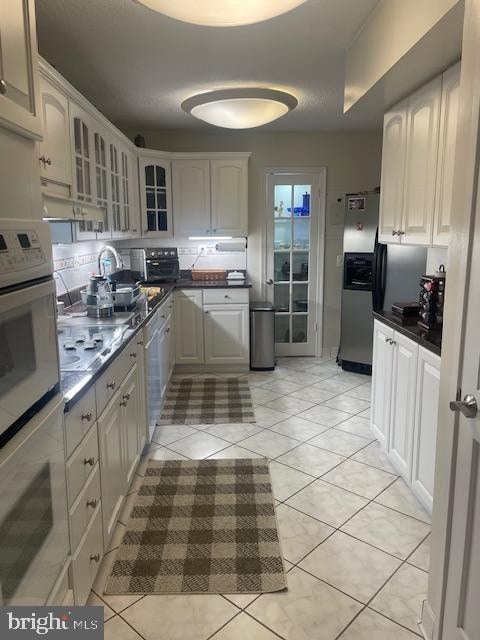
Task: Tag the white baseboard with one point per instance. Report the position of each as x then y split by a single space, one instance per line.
427 624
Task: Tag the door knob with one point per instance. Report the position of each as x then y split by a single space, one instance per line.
468 406
269 281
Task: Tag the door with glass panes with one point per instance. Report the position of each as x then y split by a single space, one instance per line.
155 197
292 260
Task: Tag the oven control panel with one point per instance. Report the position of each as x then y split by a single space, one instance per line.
161 253
25 251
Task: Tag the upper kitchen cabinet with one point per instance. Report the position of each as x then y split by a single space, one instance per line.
55 153
123 176
210 196
229 183
19 103
423 121
446 156
393 166
418 163
191 197
155 197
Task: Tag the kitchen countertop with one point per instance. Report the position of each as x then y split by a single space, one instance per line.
73 384
431 340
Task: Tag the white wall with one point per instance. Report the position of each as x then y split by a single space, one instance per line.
352 161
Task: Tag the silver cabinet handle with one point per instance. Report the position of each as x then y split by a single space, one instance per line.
394 233
86 416
387 339
90 461
126 396
95 557
400 233
269 281
468 406
133 355
111 385
227 297
140 343
45 161
3 87
92 503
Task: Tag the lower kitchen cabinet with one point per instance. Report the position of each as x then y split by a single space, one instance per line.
382 382
425 433
87 558
403 403
111 463
131 425
405 391
189 326
226 334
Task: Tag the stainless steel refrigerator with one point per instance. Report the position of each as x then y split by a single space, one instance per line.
374 276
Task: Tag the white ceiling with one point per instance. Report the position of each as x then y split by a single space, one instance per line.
137 66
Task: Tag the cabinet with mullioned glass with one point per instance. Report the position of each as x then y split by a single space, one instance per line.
155 197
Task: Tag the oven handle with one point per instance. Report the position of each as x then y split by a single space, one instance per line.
24 295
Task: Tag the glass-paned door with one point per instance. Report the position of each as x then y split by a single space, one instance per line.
100 149
115 185
292 256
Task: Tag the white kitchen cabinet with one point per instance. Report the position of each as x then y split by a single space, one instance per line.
226 334
425 431
155 197
123 171
191 197
129 402
100 165
115 173
382 381
19 92
188 311
423 122
446 156
229 197
55 154
393 167
111 464
164 356
403 403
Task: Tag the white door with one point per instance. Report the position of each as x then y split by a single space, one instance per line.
100 161
446 156
393 169
226 334
19 68
55 151
115 171
163 355
423 121
189 327
155 197
382 371
425 430
83 159
295 240
462 612
129 400
111 463
229 182
191 197
403 403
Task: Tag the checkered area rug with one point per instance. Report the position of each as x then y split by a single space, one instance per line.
201 526
207 401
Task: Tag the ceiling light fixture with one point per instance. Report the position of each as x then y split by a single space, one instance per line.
222 13
240 108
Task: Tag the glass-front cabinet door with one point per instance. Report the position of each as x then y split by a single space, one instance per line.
115 180
83 171
155 197
101 181
292 261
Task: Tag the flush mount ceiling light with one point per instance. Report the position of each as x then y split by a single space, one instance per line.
240 108
222 13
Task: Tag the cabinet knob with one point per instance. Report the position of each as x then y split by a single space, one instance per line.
207 231
3 87
133 355
95 557
126 396
214 231
394 233
227 296
140 343
111 385
92 503
90 461
387 339
400 233
87 416
44 160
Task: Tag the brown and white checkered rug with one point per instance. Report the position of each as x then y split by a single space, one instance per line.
201 526
207 401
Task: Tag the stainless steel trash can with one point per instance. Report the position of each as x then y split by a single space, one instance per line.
262 336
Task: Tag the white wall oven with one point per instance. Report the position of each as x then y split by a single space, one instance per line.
29 371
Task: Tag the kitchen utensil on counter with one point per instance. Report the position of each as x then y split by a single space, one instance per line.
432 295
236 276
99 298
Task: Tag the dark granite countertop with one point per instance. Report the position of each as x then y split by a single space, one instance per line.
74 384
431 340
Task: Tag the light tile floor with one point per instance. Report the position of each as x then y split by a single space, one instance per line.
354 539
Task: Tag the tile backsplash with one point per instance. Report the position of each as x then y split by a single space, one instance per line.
75 262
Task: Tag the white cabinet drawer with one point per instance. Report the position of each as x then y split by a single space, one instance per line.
81 464
109 383
79 420
87 559
225 296
84 507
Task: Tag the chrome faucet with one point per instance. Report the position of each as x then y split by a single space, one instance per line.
119 264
